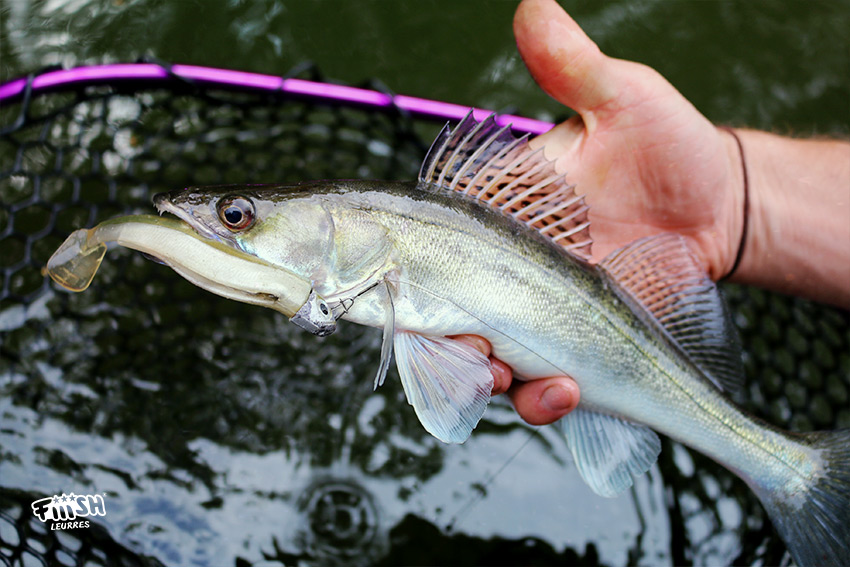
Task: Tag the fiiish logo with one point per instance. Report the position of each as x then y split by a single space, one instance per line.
63 510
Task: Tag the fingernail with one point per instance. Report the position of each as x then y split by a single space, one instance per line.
556 399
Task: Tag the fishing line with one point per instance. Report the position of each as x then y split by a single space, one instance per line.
341 304
479 495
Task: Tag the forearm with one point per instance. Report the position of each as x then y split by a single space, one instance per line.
798 234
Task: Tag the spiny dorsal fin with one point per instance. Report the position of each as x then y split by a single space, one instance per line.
488 163
662 276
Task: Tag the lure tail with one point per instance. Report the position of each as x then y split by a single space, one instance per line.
813 518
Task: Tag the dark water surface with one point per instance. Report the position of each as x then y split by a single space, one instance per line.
221 434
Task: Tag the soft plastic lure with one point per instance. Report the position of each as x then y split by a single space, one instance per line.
213 266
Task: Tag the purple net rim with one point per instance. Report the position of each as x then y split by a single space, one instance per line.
152 72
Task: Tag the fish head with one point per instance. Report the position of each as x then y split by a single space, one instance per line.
286 226
312 229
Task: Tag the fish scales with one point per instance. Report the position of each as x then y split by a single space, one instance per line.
558 305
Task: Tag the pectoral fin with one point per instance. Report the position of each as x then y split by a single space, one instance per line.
609 451
447 382
387 343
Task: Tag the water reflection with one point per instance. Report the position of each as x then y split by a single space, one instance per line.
341 524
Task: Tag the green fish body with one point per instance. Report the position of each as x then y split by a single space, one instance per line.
490 241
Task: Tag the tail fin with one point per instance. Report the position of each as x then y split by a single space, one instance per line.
814 519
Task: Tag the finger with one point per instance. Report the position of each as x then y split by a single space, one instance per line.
502 376
475 341
502 373
561 143
544 401
563 60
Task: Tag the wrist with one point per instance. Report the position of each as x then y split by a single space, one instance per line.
735 223
798 217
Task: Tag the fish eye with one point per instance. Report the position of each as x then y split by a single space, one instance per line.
237 213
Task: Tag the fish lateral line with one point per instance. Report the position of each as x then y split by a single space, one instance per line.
480 320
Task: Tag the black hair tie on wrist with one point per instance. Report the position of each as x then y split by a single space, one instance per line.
745 225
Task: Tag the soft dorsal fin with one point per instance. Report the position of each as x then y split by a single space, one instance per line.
662 276
488 163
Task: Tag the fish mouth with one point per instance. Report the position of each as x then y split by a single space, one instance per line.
163 204
208 263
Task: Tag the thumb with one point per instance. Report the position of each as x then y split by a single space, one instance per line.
544 401
566 63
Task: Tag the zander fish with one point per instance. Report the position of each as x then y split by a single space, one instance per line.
492 241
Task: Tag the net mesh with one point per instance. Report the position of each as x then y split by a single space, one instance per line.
73 159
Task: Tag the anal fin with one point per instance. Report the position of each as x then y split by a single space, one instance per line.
447 382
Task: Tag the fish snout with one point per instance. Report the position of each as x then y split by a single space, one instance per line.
165 204
162 201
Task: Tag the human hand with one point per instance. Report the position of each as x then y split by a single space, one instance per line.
644 157
648 162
